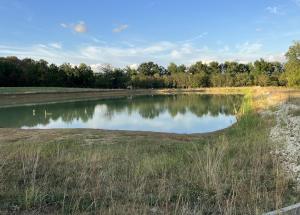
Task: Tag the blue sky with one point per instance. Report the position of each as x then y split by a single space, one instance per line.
121 33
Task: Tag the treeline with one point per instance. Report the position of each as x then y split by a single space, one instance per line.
27 72
20 73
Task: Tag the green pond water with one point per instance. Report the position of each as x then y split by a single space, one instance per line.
183 114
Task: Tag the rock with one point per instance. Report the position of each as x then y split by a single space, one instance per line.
286 133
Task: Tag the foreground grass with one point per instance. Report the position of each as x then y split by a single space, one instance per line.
108 172
77 171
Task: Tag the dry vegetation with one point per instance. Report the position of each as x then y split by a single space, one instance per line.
109 172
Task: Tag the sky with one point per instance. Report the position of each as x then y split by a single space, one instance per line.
127 33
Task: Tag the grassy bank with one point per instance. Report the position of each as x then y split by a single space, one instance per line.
110 172
38 95
49 90
32 90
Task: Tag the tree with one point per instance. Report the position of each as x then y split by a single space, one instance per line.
214 67
29 76
41 72
55 78
181 69
115 78
217 80
131 72
199 67
293 65
86 76
150 69
172 68
242 79
261 71
67 69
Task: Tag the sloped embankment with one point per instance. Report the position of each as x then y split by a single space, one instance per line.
286 133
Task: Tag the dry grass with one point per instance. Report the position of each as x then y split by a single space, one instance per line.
231 172
109 172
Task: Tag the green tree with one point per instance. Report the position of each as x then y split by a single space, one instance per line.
150 69
199 67
172 68
261 71
292 66
214 67
181 68
86 76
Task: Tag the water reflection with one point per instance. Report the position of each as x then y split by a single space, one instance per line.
165 113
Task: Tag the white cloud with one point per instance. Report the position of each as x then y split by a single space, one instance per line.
96 67
120 28
275 10
101 67
64 25
175 54
134 66
200 36
225 49
96 40
249 48
279 57
79 27
41 51
162 52
56 45
157 47
165 52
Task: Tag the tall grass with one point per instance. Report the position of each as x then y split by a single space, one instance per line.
230 172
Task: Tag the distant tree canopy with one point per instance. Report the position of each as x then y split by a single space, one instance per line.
27 72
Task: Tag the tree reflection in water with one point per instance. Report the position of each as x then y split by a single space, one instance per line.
148 107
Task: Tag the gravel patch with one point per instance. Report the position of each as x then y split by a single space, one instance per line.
286 133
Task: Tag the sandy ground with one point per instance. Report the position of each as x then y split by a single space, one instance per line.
286 133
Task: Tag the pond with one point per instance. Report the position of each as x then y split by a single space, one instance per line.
184 114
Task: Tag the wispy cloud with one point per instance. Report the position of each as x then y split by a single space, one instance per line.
278 57
41 51
275 10
64 25
249 48
200 36
297 2
161 52
225 48
79 27
97 40
56 45
120 28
